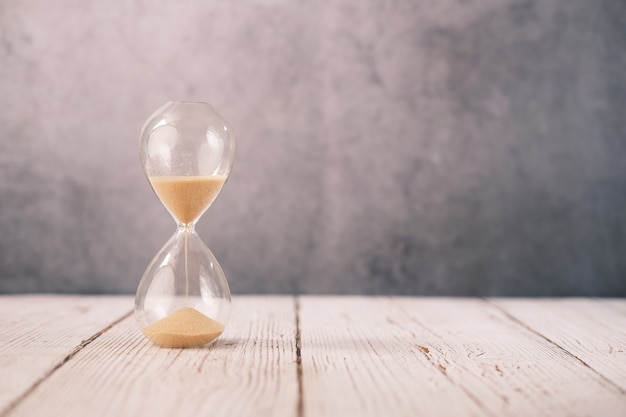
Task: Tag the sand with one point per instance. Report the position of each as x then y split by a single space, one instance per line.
187 197
186 327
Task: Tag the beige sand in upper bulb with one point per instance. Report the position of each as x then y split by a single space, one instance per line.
186 197
184 328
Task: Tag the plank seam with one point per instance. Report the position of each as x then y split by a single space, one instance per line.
300 404
567 352
13 404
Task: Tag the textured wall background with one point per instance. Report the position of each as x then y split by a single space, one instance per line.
405 147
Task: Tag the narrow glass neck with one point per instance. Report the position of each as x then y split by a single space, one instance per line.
189 227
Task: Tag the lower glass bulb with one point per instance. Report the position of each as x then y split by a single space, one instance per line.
183 299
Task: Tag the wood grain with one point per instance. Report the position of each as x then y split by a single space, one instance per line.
39 333
440 356
313 356
249 371
361 357
507 368
617 303
591 331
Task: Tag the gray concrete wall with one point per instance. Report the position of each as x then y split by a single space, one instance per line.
385 147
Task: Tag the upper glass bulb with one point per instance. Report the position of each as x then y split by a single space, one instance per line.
187 151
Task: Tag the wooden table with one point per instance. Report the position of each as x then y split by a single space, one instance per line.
319 356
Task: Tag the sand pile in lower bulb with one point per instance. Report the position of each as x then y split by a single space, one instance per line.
186 327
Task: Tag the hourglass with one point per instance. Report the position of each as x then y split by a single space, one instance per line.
187 151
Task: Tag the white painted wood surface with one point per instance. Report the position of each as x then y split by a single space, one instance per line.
592 332
38 334
250 370
320 356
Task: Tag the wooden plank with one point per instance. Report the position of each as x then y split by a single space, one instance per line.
361 357
617 303
38 333
510 369
406 356
249 371
591 330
